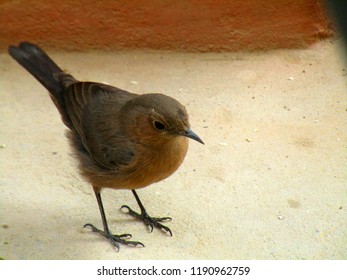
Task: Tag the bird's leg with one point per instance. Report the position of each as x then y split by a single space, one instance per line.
114 239
149 221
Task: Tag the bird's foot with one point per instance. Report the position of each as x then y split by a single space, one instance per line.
151 222
116 239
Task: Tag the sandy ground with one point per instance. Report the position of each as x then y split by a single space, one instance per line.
270 183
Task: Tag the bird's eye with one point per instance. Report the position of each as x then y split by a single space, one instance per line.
158 125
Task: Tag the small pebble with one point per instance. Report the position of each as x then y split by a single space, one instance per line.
280 217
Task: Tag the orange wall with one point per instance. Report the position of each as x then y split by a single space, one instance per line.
192 25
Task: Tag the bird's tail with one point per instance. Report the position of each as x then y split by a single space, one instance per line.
39 64
45 70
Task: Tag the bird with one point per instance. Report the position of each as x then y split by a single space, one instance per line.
121 140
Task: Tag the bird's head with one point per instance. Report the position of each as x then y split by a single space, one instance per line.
157 119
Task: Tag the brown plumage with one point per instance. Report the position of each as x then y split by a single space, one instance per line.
122 140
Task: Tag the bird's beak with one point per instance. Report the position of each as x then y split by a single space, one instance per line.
191 134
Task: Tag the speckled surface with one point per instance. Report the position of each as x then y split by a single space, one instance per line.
270 183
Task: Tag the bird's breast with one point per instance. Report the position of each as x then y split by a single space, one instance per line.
150 165
154 165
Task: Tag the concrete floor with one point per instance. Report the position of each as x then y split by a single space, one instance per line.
270 182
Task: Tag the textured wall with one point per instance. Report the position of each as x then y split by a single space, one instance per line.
194 25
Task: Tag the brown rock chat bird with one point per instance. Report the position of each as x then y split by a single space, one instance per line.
122 140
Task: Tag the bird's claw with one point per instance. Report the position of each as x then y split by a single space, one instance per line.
151 222
116 239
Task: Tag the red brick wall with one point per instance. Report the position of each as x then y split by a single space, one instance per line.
192 25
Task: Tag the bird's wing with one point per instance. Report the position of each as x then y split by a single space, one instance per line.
94 110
